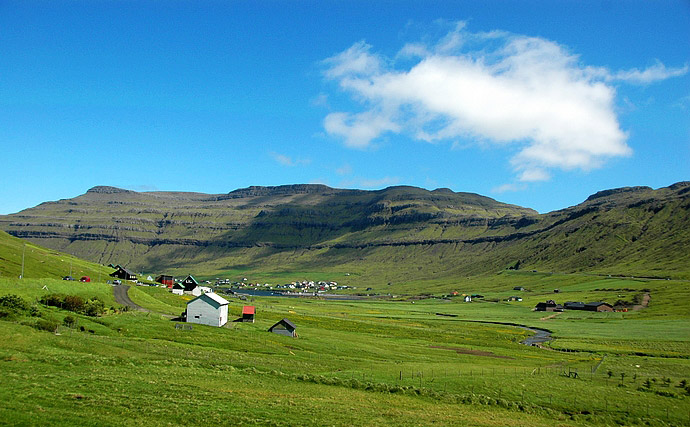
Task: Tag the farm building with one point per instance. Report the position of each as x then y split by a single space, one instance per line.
178 289
165 280
85 279
549 305
284 327
123 273
573 305
598 306
191 286
208 309
248 312
515 298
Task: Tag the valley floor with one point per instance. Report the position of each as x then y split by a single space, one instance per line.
354 363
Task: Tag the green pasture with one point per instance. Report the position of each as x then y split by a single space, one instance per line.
365 362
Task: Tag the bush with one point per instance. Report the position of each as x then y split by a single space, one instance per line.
69 321
14 303
46 325
53 300
73 303
94 307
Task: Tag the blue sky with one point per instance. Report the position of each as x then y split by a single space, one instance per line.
536 103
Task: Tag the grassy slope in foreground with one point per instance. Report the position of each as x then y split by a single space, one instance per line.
40 262
346 367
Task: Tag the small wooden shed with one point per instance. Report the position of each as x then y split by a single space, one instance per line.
284 327
248 312
208 309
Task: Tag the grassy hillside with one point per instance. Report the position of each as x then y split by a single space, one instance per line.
41 262
392 240
357 362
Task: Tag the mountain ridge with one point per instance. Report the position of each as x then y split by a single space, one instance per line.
424 234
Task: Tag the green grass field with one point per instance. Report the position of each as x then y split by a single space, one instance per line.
368 362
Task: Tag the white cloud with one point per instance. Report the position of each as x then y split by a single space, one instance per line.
508 187
358 130
492 88
345 169
371 183
288 161
649 75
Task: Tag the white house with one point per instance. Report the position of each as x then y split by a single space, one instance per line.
178 289
208 309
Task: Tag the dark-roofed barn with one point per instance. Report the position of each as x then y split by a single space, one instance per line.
123 273
598 306
284 327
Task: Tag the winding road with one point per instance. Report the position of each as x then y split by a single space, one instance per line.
121 297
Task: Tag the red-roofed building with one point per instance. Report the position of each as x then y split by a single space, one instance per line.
248 312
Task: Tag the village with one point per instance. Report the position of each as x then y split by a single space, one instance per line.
209 308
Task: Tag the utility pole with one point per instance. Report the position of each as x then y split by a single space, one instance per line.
23 252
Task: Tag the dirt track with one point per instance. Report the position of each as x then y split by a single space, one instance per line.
645 302
120 294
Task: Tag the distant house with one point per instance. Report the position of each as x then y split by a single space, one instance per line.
85 279
518 288
467 298
598 306
549 305
556 291
284 327
191 286
208 309
248 312
190 282
123 273
515 298
178 289
572 305
165 280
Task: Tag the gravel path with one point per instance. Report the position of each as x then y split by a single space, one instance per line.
120 294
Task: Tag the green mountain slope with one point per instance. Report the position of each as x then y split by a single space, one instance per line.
40 262
396 235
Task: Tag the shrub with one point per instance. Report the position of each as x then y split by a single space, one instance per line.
53 300
69 321
46 325
73 303
12 305
13 302
94 307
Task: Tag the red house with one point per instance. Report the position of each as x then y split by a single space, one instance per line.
165 280
85 279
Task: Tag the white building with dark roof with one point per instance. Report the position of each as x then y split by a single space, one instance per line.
208 309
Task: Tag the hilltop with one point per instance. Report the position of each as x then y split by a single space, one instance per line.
398 235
